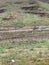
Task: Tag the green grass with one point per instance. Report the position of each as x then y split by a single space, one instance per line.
21 19
45 6
25 20
31 52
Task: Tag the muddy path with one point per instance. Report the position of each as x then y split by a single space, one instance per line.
29 28
31 32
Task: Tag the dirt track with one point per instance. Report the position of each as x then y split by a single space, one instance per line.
31 28
39 32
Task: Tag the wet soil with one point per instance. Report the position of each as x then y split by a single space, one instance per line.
2 10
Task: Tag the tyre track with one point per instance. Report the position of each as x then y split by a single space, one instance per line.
37 35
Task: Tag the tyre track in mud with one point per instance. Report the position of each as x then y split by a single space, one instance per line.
28 28
40 32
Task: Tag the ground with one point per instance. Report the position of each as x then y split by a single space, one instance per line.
28 52
24 32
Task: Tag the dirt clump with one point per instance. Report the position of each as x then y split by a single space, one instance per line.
2 10
18 2
8 18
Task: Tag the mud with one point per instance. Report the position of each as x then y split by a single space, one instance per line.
8 18
2 10
40 32
30 7
18 2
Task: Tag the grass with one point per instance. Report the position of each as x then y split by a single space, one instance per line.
25 20
44 5
21 19
31 52
26 52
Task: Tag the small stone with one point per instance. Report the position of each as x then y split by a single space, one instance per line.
13 60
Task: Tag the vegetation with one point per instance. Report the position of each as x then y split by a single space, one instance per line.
24 48
31 52
14 16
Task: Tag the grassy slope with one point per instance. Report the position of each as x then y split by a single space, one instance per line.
24 52
45 6
21 19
